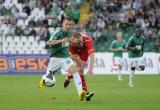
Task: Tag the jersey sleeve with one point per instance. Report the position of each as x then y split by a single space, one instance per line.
113 44
130 43
89 45
55 35
124 44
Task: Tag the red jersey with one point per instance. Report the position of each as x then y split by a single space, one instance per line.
83 52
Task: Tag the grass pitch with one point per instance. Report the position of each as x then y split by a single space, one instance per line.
21 92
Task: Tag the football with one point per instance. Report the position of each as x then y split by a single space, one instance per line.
49 82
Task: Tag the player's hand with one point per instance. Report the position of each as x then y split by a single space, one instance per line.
90 71
80 61
134 49
64 40
120 49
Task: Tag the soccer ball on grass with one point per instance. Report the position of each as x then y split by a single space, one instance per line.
49 81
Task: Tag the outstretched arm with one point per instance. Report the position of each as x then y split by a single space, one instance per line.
55 42
91 64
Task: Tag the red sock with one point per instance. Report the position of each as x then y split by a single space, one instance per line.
69 76
84 85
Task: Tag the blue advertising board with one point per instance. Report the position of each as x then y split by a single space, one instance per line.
22 64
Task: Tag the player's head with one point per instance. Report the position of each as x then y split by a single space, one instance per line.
137 32
67 24
119 36
77 39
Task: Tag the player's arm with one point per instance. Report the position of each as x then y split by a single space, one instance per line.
143 46
124 46
130 45
56 38
55 42
90 49
112 47
91 63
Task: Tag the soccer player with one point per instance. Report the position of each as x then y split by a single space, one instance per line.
135 46
59 42
117 47
81 47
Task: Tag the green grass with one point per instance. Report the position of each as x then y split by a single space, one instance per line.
21 92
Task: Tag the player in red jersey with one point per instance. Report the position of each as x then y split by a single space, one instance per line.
81 47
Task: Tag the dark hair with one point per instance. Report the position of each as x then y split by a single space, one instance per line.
138 30
67 18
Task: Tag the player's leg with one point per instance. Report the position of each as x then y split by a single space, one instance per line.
119 72
89 95
83 80
78 82
69 77
120 67
84 85
53 66
132 72
118 63
114 66
72 69
48 73
67 80
141 65
131 77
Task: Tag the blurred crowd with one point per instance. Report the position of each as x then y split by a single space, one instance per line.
124 15
41 17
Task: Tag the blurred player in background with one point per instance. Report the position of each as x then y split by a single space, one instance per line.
135 46
81 47
118 47
59 42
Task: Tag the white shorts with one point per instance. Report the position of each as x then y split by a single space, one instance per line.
117 60
135 62
56 64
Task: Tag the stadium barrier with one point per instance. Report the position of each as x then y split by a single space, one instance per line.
158 62
103 63
37 64
19 64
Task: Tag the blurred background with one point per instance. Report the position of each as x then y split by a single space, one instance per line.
25 25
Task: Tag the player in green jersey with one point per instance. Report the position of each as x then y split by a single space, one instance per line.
135 47
59 43
118 47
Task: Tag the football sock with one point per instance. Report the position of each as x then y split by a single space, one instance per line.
84 85
131 76
78 82
49 71
138 68
119 74
69 76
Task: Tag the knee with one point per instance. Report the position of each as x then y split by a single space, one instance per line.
72 69
120 66
133 68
